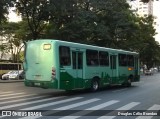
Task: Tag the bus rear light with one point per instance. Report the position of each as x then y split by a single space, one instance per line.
47 46
53 72
130 68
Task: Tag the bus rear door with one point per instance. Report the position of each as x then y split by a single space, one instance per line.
77 65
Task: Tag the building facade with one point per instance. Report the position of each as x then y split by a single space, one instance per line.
145 9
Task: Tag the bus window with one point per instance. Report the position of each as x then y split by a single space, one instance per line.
103 58
64 56
113 61
92 57
74 60
122 60
4 66
130 59
80 61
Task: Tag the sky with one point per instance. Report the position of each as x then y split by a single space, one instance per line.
12 17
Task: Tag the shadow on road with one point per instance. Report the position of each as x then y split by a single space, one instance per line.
87 91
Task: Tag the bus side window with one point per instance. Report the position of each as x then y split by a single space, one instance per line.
122 59
80 60
64 56
130 59
103 58
74 60
92 57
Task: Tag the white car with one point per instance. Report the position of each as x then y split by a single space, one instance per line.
6 76
149 72
17 75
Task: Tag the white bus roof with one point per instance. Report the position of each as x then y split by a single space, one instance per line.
84 46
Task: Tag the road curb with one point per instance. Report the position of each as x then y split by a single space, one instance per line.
10 81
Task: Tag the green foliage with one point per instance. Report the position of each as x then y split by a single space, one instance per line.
23 33
15 35
108 23
21 56
4 6
36 13
145 1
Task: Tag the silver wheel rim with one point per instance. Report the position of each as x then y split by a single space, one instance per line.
95 85
129 80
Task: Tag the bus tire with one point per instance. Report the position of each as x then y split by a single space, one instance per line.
68 91
94 85
129 82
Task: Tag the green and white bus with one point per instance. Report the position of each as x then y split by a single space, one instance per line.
66 65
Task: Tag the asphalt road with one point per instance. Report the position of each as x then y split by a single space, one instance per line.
115 101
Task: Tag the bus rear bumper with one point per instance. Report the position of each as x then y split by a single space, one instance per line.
41 84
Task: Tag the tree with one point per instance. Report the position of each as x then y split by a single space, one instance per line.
3 49
15 34
97 22
8 34
116 21
148 48
4 6
107 23
71 20
145 1
22 34
36 14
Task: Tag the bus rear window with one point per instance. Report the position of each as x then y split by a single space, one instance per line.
47 46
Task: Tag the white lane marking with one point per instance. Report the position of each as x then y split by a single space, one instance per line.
97 107
154 107
6 92
77 104
5 95
23 99
18 96
69 107
52 103
125 107
27 103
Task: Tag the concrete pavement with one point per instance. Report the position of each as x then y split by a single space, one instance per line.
11 81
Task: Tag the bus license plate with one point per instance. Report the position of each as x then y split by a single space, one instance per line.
37 77
37 84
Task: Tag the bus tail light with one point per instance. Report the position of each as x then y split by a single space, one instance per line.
130 68
53 72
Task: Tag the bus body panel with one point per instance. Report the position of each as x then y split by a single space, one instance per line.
71 77
76 75
39 63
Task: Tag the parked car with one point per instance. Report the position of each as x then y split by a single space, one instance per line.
17 75
155 69
149 72
6 76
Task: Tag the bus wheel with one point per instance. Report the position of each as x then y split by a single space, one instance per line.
94 85
129 82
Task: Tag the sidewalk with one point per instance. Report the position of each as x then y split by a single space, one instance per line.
11 81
